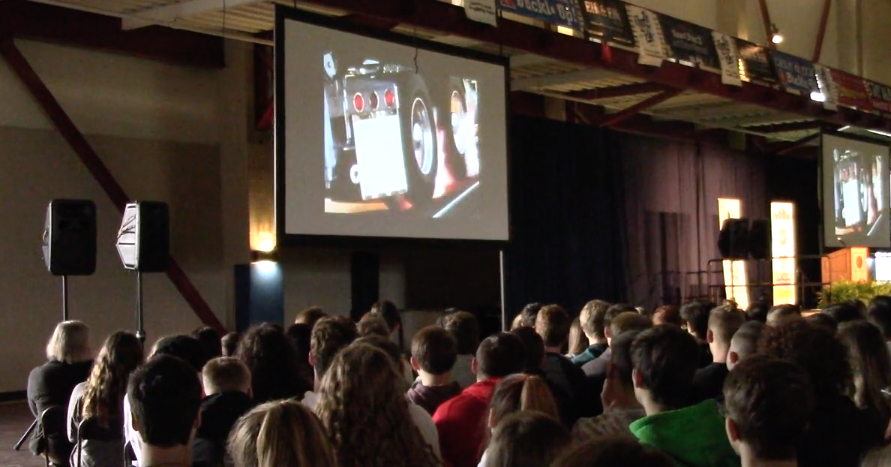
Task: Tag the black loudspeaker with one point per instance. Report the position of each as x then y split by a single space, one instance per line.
69 237
144 238
759 239
733 239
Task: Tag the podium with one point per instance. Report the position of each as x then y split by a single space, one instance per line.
848 264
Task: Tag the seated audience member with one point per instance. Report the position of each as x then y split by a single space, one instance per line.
597 368
839 433
227 383
695 315
871 367
823 320
527 315
782 314
664 360
744 343
709 381
527 439
667 314
624 322
69 359
433 354
363 409
578 341
612 451
591 322
466 329
552 324
846 311
275 371
300 336
533 350
879 314
372 325
620 406
165 396
310 316
460 420
769 406
388 311
329 336
757 311
229 344
101 400
280 434
210 341
516 393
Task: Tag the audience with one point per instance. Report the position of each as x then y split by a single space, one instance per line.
782 313
527 315
709 381
567 380
769 406
591 322
823 320
617 451
310 316
96 405
533 350
667 314
879 314
211 343
871 368
695 315
229 344
596 369
372 325
757 311
69 359
433 354
227 384
329 336
365 414
851 310
460 419
744 343
272 360
300 336
527 439
664 360
466 330
388 312
578 341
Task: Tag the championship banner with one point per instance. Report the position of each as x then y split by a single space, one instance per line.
756 62
647 34
728 55
879 96
851 90
736 284
827 87
558 12
783 270
607 19
483 11
690 43
795 73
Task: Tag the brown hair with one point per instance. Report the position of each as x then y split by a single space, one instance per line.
667 314
591 317
870 364
281 433
618 451
629 321
329 336
229 344
372 325
533 348
435 349
105 388
522 392
578 341
466 329
527 439
724 323
310 316
782 313
224 374
552 324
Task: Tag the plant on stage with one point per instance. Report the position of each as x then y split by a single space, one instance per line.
843 291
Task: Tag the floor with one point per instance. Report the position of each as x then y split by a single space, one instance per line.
14 420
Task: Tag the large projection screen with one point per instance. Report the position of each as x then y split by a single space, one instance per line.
856 179
387 136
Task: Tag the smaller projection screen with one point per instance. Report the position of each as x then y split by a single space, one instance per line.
856 179
387 136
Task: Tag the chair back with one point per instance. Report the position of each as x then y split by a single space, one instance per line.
55 435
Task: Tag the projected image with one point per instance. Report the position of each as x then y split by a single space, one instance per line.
398 139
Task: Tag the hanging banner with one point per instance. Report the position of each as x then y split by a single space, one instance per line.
795 73
828 88
689 43
783 268
728 55
607 19
647 34
879 96
483 11
756 64
559 12
851 90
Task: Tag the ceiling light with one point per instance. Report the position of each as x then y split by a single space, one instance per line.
845 128
775 35
818 96
880 133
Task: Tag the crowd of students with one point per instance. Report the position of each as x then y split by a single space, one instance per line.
695 386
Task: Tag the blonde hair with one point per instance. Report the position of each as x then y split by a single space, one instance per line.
280 433
70 343
224 374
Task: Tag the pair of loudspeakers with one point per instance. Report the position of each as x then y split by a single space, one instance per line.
69 237
739 240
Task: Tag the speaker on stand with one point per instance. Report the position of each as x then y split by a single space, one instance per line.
69 241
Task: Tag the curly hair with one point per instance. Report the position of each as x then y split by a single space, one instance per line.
365 414
104 392
276 372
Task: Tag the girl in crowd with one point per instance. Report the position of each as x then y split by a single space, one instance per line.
871 366
100 400
387 310
365 414
527 439
578 342
276 372
281 433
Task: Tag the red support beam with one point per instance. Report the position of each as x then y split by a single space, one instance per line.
618 91
821 33
624 114
797 144
91 160
768 25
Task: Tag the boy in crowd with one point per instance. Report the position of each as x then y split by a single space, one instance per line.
769 406
879 314
329 336
466 330
591 320
596 368
722 325
227 383
567 380
460 419
695 315
744 343
165 396
781 314
433 354
664 361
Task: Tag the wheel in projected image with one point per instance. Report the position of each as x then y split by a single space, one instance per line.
419 143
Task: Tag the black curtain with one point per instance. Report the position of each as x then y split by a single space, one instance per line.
566 216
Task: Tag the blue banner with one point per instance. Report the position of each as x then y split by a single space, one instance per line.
795 73
560 12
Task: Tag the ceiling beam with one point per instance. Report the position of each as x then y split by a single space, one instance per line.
550 81
784 127
768 25
612 119
821 33
176 11
618 91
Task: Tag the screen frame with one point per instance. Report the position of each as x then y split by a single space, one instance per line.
283 13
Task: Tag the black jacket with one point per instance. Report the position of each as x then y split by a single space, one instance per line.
708 383
219 413
50 385
570 389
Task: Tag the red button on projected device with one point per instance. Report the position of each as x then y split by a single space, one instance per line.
359 102
390 98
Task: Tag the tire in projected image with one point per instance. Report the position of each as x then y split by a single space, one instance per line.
419 143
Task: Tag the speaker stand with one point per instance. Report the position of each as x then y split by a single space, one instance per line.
64 298
504 323
140 332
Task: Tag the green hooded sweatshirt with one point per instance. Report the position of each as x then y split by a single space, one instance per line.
693 436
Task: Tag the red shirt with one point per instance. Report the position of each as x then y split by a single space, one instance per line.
461 425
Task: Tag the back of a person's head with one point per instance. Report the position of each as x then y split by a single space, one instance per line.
527 439
744 342
310 316
823 320
70 343
845 311
387 310
522 392
552 324
210 341
695 315
466 329
186 348
386 345
870 366
591 318
435 350
666 358
629 321
120 355
614 311
329 336
500 355
300 336
529 314
165 396
667 314
615 451
723 324
229 343
533 346
620 356
372 325
277 434
769 403
225 374
578 341
814 349
757 311
275 371
879 314
782 314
